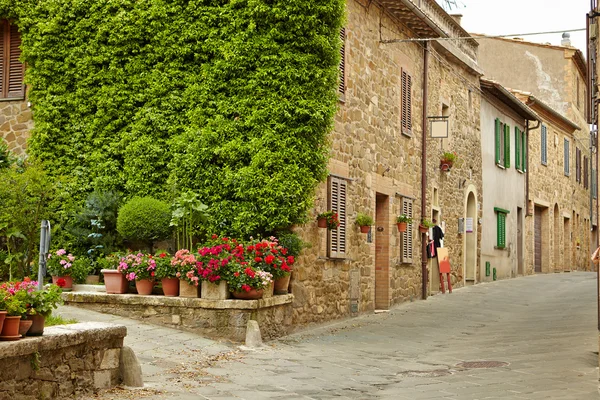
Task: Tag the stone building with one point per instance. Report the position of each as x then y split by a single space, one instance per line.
375 166
554 78
504 130
15 114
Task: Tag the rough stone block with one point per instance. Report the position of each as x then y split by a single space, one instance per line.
102 379
110 359
253 337
130 368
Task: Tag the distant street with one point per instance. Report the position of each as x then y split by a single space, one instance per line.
526 338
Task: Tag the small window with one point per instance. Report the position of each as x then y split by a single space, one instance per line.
338 189
406 104
566 159
502 137
518 151
342 84
406 238
501 227
544 149
11 69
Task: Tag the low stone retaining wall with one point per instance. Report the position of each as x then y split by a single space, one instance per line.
67 362
216 319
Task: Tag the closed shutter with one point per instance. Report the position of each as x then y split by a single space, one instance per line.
497 140
585 172
4 37
15 67
566 157
406 238
544 149
524 150
337 203
506 146
342 85
517 148
501 242
406 106
577 165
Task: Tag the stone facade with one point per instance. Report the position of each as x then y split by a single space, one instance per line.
219 319
67 362
16 123
381 166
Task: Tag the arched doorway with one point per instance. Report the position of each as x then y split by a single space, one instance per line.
470 238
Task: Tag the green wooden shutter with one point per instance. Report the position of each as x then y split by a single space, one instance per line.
517 148
497 137
524 150
506 146
501 241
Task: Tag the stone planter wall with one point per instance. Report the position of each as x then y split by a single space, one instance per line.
67 362
218 319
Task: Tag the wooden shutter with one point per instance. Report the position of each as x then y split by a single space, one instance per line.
406 106
501 241
4 37
498 141
337 203
506 146
544 145
594 184
406 238
342 85
524 150
585 172
566 152
517 148
15 67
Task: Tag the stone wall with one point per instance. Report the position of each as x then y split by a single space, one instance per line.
16 123
68 361
218 319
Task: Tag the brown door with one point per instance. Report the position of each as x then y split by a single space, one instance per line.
382 253
538 239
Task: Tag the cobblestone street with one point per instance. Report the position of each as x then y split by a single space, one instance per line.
537 336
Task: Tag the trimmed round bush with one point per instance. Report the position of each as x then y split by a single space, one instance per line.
144 218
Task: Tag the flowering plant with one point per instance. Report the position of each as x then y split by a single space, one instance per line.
137 266
214 258
332 218
43 301
269 256
243 278
185 263
404 218
60 263
164 269
14 296
449 157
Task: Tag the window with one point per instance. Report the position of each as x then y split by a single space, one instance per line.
577 165
544 149
406 106
566 162
11 69
342 85
338 189
502 136
501 227
524 151
585 172
520 150
406 238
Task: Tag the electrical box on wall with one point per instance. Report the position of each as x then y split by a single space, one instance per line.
461 225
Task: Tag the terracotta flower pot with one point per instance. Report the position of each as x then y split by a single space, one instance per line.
446 165
187 290
170 287
423 228
24 326
281 284
365 229
68 282
10 329
402 226
144 286
253 294
37 326
115 281
322 222
2 316
214 291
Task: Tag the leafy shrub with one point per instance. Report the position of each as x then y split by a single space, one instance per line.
292 242
145 219
364 220
82 267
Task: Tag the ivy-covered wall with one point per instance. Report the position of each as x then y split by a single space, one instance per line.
231 98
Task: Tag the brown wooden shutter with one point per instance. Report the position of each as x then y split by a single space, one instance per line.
406 238
15 67
338 189
585 172
3 57
406 103
342 85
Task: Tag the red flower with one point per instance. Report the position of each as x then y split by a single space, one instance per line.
60 282
236 274
162 255
246 288
258 259
290 260
152 273
214 236
248 271
269 259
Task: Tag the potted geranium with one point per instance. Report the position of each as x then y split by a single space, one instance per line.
59 265
114 280
41 304
187 273
364 221
425 225
268 255
246 282
328 219
402 222
447 160
212 265
14 302
167 274
141 268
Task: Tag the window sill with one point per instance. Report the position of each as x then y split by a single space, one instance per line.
5 99
342 97
500 248
407 133
500 166
322 259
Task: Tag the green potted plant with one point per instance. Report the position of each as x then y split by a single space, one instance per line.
245 282
447 160
14 302
167 274
364 221
268 255
141 268
41 304
60 264
425 225
328 219
402 222
114 280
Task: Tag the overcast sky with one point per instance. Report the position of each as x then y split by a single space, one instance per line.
495 17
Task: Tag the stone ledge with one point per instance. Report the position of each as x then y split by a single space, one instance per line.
136 299
56 337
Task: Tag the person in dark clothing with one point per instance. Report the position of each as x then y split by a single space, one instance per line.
437 236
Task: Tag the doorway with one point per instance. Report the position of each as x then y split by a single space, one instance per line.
566 245
470 240
382 252
556 241
538 239
520 256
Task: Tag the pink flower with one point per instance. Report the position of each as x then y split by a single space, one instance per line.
61 252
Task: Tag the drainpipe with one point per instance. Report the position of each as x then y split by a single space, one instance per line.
527 129
424 170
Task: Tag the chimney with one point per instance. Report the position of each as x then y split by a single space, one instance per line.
457 18
566 39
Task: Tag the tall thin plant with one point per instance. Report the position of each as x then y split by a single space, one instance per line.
188 216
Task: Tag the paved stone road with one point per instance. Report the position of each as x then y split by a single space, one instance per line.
541 329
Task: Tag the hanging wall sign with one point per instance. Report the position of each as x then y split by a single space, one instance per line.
438 127
469 225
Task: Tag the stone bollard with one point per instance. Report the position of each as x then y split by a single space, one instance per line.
130 368
253 338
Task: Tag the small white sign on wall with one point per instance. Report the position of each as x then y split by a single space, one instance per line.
469 225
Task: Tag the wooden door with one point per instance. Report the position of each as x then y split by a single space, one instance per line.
538 239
